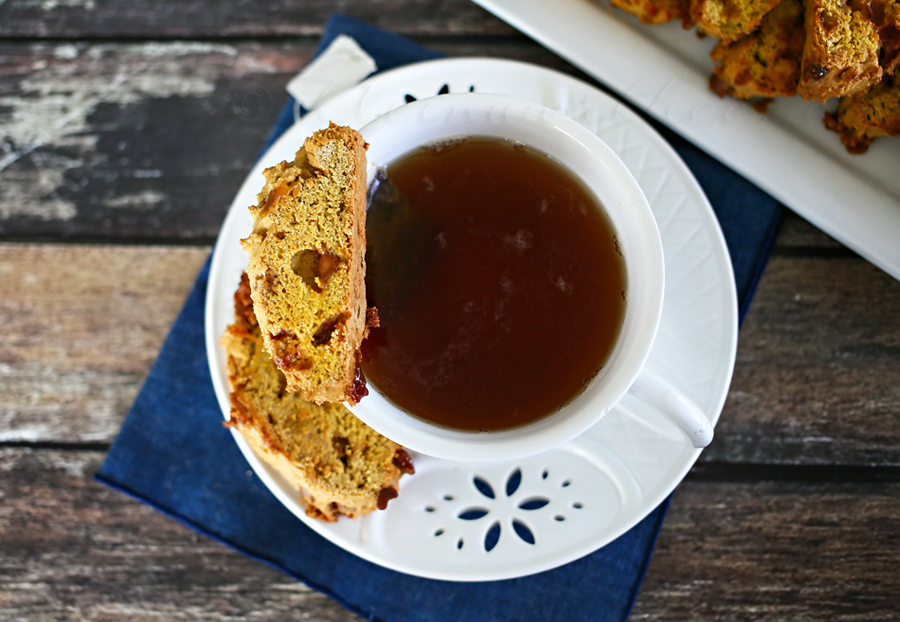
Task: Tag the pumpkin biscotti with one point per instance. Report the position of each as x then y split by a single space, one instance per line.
765 63
307 265
339 465
841 54
865 116
729 20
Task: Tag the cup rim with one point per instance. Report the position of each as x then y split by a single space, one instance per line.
440 117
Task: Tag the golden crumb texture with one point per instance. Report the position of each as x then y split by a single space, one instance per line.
307 264
729 20
765 63
339 465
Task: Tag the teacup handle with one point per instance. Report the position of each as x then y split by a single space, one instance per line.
651 389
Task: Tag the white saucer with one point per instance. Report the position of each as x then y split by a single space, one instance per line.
563 504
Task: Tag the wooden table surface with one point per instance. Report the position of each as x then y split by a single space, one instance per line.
125 130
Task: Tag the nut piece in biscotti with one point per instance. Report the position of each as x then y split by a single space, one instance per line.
765 63
307 265
865 116
339 465
840 56
729 20
656 11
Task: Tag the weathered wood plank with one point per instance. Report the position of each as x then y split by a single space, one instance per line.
147 140
73 549
209 19
144 140
81 327
797 234
817 377
153 140
776 551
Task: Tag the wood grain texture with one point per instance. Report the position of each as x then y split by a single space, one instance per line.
147 140
72 549
81 326
797 235
776 551
152 140
199 19
817 379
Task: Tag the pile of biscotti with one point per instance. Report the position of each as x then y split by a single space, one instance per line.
300 316
817 49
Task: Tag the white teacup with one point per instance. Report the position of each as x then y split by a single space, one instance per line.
594 163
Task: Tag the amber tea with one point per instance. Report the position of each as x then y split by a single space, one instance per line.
499 285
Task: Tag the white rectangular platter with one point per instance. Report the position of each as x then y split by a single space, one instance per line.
664 70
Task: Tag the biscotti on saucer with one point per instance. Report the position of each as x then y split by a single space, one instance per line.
339 465
307 265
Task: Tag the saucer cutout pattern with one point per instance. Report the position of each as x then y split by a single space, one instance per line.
506 514
620 469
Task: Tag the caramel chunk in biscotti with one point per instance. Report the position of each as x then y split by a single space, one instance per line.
307 265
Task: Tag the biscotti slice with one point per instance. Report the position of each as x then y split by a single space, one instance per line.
729 20
307 265
865 116
339 465
656 11
765 63
840 56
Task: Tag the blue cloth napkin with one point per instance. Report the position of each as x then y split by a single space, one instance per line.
174 454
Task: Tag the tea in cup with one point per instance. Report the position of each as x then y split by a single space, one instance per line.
518 273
